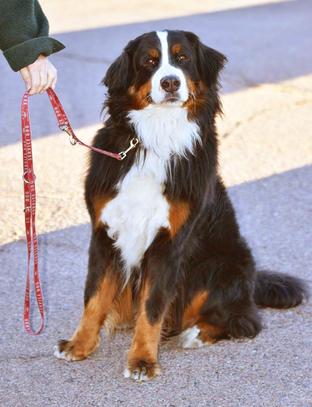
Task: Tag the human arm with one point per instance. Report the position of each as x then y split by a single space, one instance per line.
25 42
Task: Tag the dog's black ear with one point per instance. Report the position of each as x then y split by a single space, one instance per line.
211 62
116 78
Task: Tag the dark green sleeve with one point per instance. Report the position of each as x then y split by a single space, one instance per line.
24 33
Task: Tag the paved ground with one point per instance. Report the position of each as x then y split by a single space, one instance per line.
266 149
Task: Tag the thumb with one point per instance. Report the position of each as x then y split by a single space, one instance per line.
26 77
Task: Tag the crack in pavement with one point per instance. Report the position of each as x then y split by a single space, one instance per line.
24 358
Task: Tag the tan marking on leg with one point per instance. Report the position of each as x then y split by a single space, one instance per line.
178 214
142 356
86 337
192 312
121 314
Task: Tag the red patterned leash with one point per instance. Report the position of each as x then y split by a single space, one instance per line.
29 179
64 125
30 224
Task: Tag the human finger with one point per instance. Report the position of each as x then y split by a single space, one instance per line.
35 81
52 76
26 77
53 83
43 77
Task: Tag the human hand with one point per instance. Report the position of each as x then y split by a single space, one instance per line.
39 76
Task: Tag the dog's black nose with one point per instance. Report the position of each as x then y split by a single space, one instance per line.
170 83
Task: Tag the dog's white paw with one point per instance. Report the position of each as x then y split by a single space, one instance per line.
189 338
139 375
67 351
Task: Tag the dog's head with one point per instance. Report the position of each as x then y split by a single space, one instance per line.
164 67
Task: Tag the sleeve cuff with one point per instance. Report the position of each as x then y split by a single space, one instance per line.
27 52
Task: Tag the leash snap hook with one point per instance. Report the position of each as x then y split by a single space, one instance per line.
133 143
64 128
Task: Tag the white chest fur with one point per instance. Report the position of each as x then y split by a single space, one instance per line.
138 211
140 208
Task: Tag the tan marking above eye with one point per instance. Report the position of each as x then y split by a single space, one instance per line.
153 52
176 48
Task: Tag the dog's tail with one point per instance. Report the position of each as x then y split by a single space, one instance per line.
279 290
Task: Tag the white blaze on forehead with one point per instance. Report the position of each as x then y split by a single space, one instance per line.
165 69
163 38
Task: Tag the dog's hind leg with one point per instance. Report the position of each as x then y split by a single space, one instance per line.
227 308
195 331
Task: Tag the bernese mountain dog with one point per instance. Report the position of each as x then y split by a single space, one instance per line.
166 255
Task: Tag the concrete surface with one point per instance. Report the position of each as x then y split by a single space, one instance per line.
266 150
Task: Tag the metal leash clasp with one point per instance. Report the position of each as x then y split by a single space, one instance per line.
133 143
64 127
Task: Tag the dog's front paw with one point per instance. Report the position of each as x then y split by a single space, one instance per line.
142 370
73 350
66 350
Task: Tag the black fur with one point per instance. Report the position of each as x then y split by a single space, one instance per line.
279 290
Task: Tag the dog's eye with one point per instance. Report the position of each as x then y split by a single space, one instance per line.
181 58
150 62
